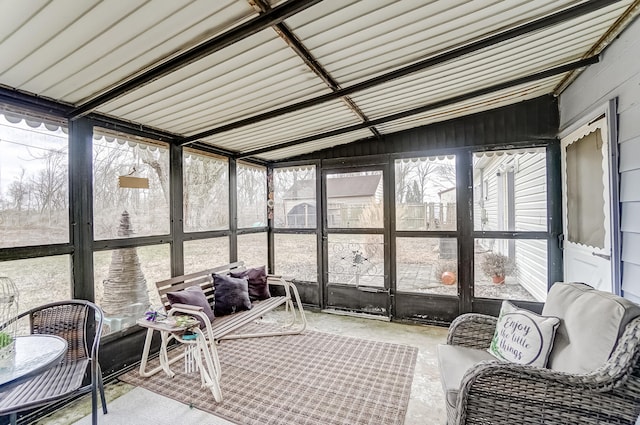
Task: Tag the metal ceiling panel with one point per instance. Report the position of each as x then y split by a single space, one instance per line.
257 73
73 51
504 62
70 50
293 126
355 40
316 145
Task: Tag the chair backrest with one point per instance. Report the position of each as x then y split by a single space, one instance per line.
591 322
203 278
79 322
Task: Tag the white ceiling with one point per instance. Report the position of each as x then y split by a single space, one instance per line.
73 51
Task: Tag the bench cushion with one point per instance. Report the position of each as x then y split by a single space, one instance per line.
591 323
454 361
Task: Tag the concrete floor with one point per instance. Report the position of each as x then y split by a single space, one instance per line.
426 406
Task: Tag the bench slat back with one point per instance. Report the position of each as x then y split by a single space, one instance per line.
202 278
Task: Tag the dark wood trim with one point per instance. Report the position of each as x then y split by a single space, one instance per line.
176 196
555 270
109 244
24 252
464 208
81 207
233 210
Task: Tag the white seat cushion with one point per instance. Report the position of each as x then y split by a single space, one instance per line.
454 362
591 322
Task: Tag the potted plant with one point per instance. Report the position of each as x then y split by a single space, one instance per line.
496 266
446 271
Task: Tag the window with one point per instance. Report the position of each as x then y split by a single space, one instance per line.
426 205
252 249
295 197
131 186
427 265
425 193
252 195
34 200
513 201
205 253
356 260
296 257
355 200
514 190
39 280
206 191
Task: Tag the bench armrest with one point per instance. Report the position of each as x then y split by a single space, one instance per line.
195 311
274 279
472 330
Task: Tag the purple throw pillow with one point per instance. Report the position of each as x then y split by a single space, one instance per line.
193 295
257 279
231 295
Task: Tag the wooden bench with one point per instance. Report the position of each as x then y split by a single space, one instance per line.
222 327
202 348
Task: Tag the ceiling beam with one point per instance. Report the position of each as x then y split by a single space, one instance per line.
434 105
285 33
544 22
242 31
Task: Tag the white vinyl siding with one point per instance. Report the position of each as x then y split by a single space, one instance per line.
617 75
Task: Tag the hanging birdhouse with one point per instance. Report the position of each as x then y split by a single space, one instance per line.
132 182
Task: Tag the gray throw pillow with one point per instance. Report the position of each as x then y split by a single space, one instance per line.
231 295
193 295
257 279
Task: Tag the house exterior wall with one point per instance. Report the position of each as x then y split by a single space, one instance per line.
617 75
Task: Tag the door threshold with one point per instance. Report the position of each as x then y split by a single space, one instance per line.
357 314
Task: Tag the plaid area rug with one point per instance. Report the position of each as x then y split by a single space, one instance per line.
314 379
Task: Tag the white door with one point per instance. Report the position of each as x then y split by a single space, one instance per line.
586 206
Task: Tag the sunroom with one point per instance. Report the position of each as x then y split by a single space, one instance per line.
400 161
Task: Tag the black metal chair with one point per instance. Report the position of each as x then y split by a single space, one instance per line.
78 322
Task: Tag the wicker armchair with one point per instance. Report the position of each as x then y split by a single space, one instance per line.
495 392
78 322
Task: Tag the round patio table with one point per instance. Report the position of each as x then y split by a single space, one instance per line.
33 354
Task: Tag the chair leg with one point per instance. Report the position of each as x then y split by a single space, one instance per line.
101 389
13 418
94 404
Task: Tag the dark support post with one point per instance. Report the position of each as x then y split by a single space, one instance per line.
270 235
233 210
389 254
176 211
554 213
464 195
81 211
319 236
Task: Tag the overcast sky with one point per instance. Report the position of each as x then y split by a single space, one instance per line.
19 143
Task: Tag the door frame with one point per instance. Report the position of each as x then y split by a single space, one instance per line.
365 294
609 112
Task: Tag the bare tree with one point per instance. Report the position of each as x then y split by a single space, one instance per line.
50 183
17 191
